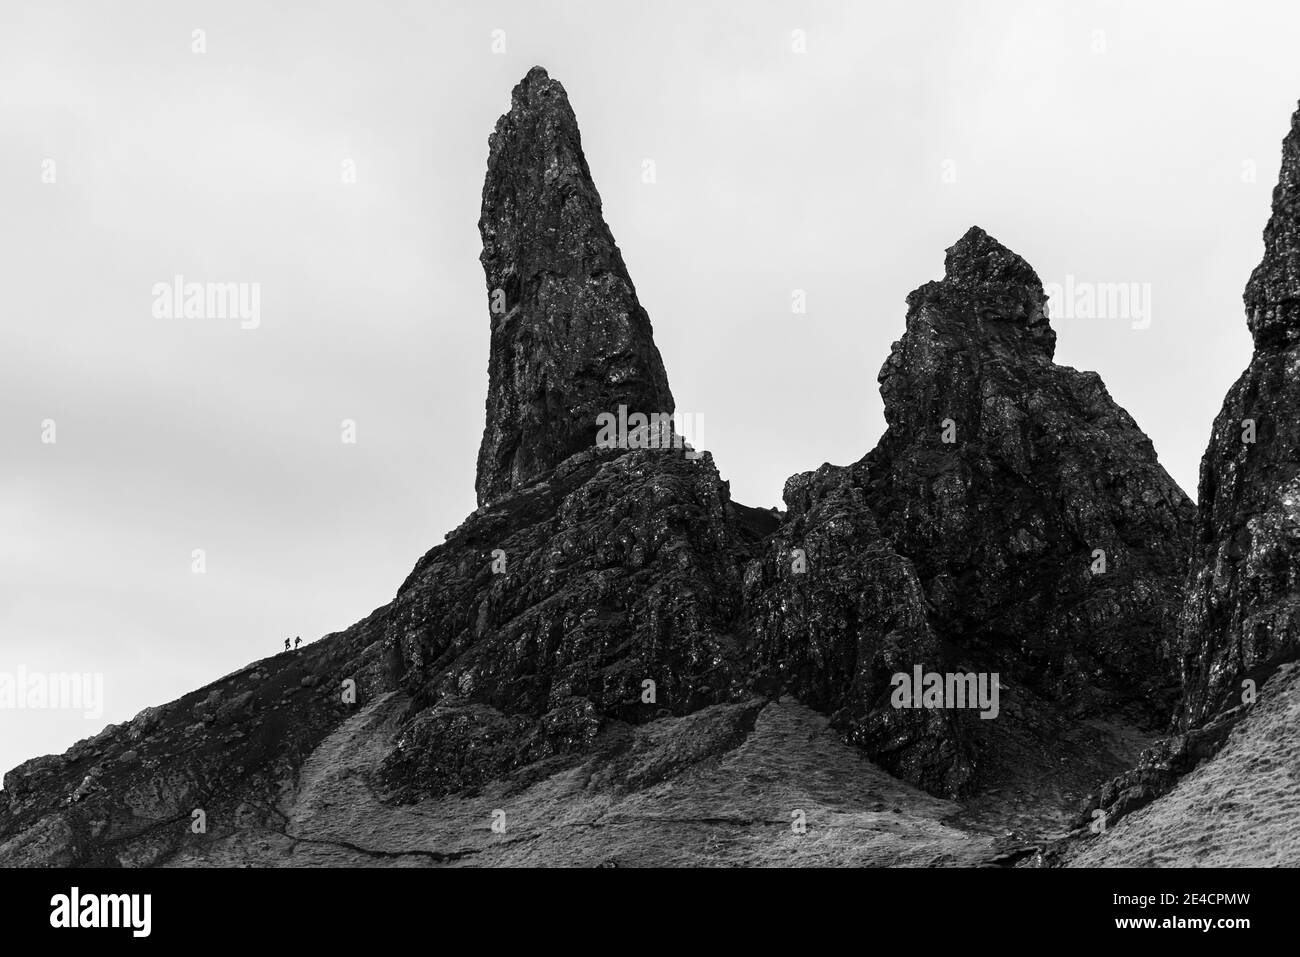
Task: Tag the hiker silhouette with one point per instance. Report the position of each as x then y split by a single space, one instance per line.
286 644
296 642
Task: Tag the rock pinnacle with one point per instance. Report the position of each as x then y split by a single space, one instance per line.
569 338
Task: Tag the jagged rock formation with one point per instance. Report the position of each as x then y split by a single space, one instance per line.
972 538
1005 477
619 569
586 572
1243 590
569 338
836 612
1239 623
610 642
1000 481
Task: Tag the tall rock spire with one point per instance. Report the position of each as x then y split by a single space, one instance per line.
1273 293
569 338
1242 612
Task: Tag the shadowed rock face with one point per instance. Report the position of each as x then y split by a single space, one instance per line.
836 613
978 553
1243 588
569 338
561 601
1002 476
1272 294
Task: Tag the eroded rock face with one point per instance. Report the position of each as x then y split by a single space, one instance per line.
1012 520
1004 478
1238 623
1272 294
565 598
592 583
570 341
836 613
1243 588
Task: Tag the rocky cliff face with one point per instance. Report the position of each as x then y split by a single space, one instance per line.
834 614
1013 520
1243 591
1046 536
1238 623
606 590
569 338
610 641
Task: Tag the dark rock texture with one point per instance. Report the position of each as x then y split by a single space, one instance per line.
1238 626
569 338
1243 589
618 569
1044 470
1272 293
979 553
835 613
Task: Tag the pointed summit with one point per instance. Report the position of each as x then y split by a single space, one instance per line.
988 294
1272 295
1002 476
978 259
569 338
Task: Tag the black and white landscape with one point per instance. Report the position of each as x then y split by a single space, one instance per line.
1002 635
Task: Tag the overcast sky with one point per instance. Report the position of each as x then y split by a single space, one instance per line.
1106 143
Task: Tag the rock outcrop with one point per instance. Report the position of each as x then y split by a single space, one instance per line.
570 341
834 613
606 590
1243 589
1239 626
1049 541
1013 520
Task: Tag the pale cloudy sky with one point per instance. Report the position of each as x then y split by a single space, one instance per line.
1108 142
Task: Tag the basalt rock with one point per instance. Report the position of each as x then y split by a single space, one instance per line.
836 613
612 585
613 578
1047 539
1243 588
1238 625
570 341
593 583
1012 520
